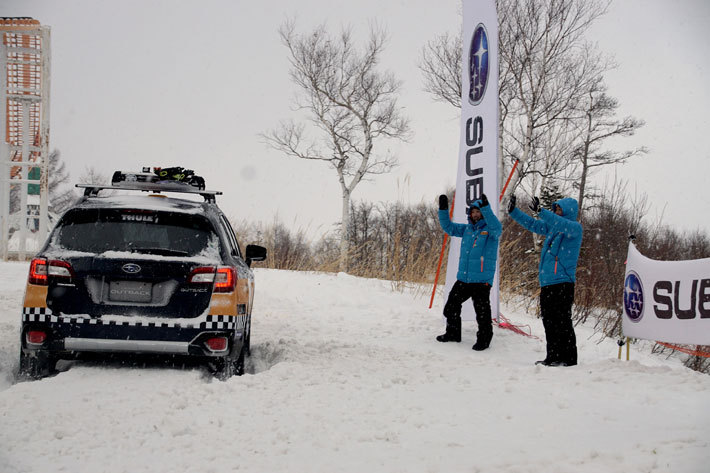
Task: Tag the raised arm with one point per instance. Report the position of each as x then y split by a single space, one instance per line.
529 223
453 229
495 229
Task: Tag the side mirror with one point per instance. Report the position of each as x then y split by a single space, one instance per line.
255 253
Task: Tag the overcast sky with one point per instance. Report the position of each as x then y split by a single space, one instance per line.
156 83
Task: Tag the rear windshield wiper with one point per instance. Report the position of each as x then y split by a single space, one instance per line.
160 251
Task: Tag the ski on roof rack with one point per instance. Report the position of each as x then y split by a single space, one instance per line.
174 179
175 174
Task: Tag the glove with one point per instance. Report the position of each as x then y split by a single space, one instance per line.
484 200
443 202
535 205
511 203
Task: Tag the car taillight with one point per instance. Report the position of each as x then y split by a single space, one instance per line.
223 277
202 275
60 269
38 272
41 270
36 337
217 343
225 280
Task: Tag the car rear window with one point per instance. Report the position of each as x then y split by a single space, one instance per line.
135 230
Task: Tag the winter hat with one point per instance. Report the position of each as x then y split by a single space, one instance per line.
474 205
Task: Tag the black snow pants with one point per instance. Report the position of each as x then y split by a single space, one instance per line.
480 293
556 309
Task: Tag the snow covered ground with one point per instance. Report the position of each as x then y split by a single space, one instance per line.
345 376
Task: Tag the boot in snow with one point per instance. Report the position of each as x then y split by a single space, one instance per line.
453 331
480 345
547 362
483 340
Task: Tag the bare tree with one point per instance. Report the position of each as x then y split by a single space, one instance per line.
548 67
92 176
597 124
545 68
350 104
59 196
440 64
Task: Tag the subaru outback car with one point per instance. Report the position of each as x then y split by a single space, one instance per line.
140 273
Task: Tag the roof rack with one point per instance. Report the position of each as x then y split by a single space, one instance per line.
92 190
173 179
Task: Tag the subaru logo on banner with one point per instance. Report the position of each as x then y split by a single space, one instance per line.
633 297
478 65
131 268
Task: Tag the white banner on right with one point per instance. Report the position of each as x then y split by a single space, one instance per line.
667 301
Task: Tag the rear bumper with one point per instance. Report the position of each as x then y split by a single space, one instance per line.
69 336
126 346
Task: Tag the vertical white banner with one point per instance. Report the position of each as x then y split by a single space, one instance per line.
478 151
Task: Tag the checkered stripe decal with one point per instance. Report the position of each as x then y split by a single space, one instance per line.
212 322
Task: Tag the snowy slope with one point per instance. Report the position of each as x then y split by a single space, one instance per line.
345 376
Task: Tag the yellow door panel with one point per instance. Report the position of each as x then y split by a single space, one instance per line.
36 296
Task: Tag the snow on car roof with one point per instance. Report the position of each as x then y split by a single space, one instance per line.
148 202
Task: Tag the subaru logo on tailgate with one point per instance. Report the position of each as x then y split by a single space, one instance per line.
131 268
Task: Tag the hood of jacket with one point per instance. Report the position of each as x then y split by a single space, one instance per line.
475 205
569 206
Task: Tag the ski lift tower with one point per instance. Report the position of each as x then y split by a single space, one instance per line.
24 136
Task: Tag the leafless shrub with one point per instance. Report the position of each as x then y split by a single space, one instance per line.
697 362
395 242
402 244
286 249
390 241
518 263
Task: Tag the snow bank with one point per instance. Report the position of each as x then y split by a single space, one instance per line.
345 376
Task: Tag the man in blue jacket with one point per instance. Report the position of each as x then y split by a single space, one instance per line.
477 267
558 266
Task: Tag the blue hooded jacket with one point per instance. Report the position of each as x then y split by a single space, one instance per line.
560 252
479 244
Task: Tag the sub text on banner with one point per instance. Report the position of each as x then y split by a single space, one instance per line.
667 301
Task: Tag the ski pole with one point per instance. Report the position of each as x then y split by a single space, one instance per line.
508 181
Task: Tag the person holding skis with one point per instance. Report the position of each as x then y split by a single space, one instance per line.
477 267
557 270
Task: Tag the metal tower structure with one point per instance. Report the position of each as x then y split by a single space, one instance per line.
24 142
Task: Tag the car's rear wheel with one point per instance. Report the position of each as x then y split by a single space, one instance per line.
227 367
247 337
239 362
36 365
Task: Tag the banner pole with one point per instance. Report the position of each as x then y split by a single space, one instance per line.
627 348
441 255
